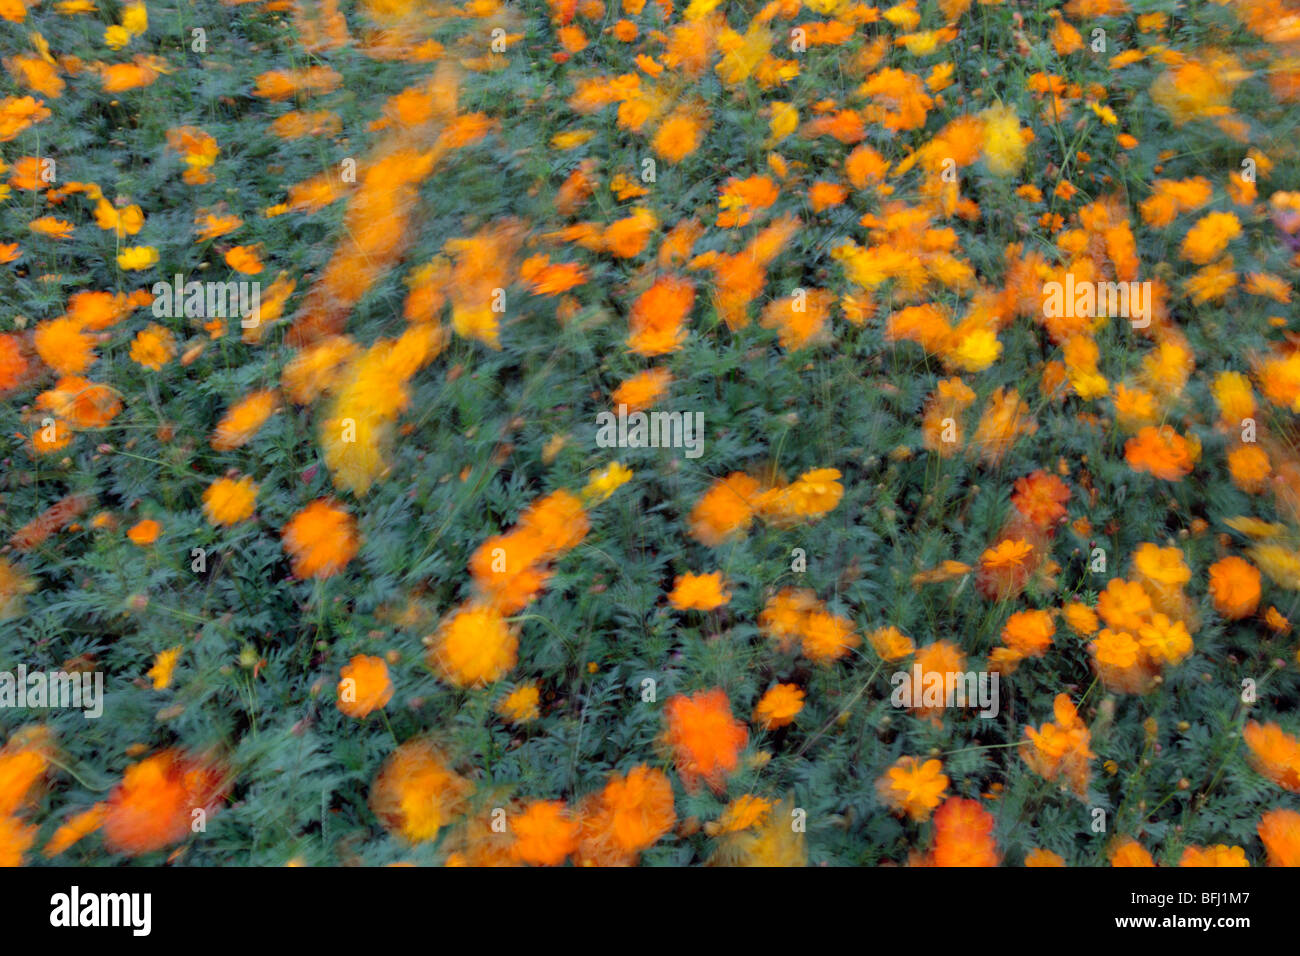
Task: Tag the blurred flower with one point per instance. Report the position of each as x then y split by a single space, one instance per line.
320 539
154 804
474 646
912 787
778 706
705 738
699 592
227 501
415 793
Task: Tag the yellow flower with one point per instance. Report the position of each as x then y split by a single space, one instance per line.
785 119
135 18
164 665
116 37
571 139
1105 114
602 484
521 704
976 351
1004 148
136 258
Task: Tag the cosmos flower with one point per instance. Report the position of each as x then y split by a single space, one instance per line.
705 738
364 685
320 539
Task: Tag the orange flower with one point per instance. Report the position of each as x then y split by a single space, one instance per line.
699 592
1041 857
628 816
891 643
741 198
784 616
1162 452
779 706
153 347
244 259
545 833
1026 634
321 539
228 502
1250 468
1005 419
1164 641
1279 831
13 366
705 738
145 533
963 835
812 495
1218 855
801 319
473 647
78 826
1207 240
243 420
82 404
677 137
364 686
1060 749
1274 754
625 238
743 813
16 838
1127 852
1124 605
937 666
655 321
1041 498
24 761
827 637
521 704
1120 662
912 787
1234 585
153 806
64 345
725 510
824 195
1005 568
509 570
415 793
639 392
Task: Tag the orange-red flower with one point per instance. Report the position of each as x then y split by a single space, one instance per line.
705 738
545 833
963 835
1162 452
154 805
630 815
